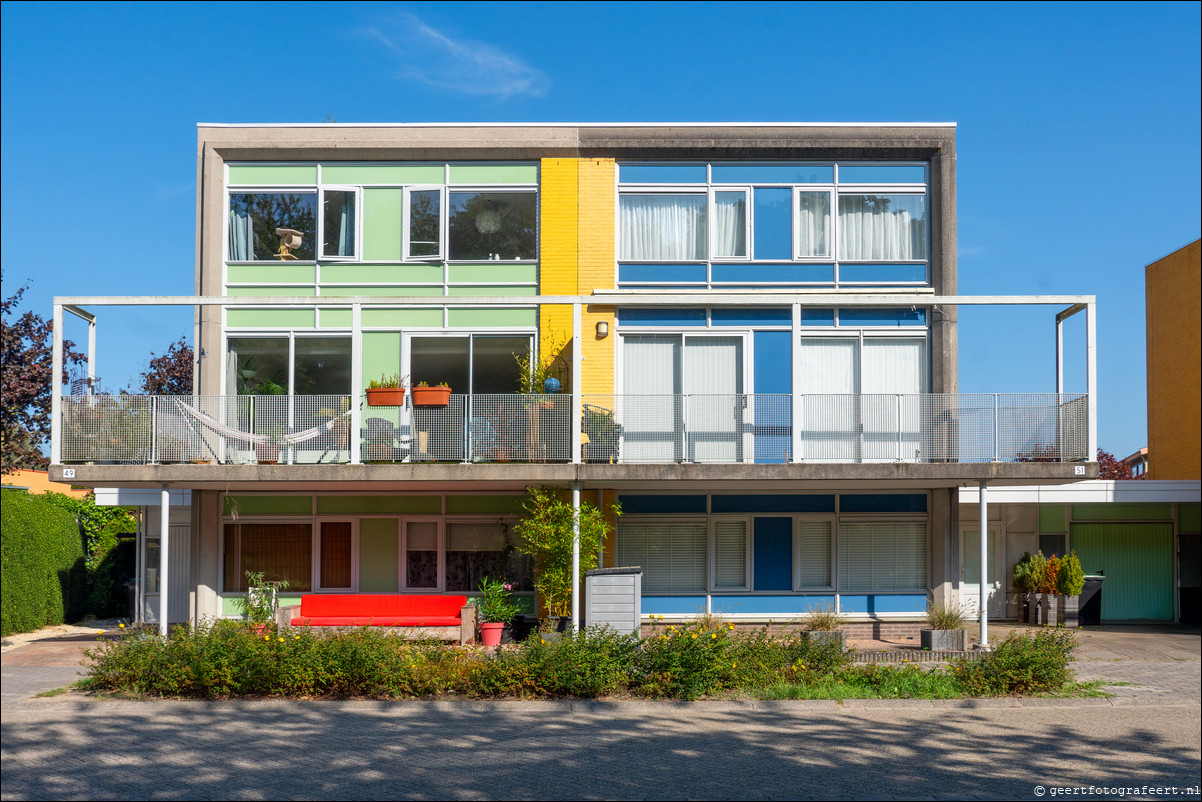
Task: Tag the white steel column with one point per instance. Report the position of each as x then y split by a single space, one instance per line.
56 387
164 559
795 387
1091 380
577 409
576 556
356 380
983 508
1059 356
91 354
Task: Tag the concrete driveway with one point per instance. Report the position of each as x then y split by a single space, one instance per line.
73 747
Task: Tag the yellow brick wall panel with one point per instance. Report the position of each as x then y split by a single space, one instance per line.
1174 342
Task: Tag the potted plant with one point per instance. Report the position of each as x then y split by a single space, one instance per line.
496 608
261 601
268 453
1069 584
172 449
545 534
1023 580
426 396
1037 567
825 624
946 632
386 391
1050 612
603 434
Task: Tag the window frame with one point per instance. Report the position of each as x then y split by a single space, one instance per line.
528 189
406 222
317 523
748 551
875 518
712 230
269 189
408 335
831 256
832 520
698 190
357 191
403 550
841 190
262 519
695 519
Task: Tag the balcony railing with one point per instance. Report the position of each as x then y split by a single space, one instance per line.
719 428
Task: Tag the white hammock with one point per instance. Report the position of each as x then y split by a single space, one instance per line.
296 438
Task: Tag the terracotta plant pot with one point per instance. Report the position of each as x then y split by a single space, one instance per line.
386 397
431 396
490 634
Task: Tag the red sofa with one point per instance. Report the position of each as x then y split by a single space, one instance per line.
384 610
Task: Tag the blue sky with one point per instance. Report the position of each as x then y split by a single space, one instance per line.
1078 139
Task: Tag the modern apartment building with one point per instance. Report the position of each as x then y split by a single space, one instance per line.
751 331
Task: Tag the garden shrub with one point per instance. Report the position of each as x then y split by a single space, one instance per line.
1020 665
586 664
43 578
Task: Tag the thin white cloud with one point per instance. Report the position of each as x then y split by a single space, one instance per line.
976 250
465 66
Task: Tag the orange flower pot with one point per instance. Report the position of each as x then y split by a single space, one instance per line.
431 396
386 397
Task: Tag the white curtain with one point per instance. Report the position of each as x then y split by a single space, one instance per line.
730 224
651 378
242 237
891 425
668 227
830 380
713 381
813 224
346 228
882 227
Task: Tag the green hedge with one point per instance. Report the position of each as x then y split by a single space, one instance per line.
43 574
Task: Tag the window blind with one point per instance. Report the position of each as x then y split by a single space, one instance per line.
672 555
814 549
882 556
730 555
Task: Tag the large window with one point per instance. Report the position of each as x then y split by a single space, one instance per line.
770 224
282 551
672 554
272 226
297 365
879 556
469 363
339 224
492 226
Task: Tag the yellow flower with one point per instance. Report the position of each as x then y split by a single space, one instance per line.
694 636
281 640
121 626
734 665
296 637
100 632
266 637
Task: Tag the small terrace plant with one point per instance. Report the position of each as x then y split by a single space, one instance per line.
824 618
496 604
1070 581
946 616
259 603
388 381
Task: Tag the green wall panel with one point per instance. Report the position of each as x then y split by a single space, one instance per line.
1137 561
378 555
494 173
398 318
381 291
1122 512
270 505
229 604
269 318
494 272
381 274
1052 518
378 505
271 274
382 173
334 318
492 290
382 215
1189 517
499 505
381 355
306 290
471 318
273 174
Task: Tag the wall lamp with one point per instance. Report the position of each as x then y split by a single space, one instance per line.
602 329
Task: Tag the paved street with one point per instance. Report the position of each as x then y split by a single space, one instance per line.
72 747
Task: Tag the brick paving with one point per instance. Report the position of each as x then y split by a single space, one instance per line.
76 747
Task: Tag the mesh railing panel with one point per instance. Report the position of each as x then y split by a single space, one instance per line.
701 428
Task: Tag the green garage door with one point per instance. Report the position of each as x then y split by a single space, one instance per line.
1137 561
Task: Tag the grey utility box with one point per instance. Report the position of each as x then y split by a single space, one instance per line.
613 598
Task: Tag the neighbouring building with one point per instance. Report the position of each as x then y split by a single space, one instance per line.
752 329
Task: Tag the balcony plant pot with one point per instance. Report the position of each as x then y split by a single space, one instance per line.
490 633
521 627
431 396
827 636
944 640
1034 609
1051 610
266 454
386 397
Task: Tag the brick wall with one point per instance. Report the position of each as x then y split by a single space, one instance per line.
1173 293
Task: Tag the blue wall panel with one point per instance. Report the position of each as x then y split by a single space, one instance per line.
883 603
772 540
883 502
661 317
662 504
767 605
822 502
771 374
673 605
662 274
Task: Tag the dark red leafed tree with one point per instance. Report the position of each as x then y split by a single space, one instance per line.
171 373
25 373
1110 467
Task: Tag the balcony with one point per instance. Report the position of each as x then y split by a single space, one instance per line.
612 429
